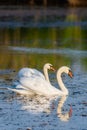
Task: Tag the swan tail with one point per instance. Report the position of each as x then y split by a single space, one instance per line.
21 91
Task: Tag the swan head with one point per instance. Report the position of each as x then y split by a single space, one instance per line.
49 66
67 70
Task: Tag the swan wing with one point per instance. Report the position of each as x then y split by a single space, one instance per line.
38 73
39 86
35 84
19 86
28 72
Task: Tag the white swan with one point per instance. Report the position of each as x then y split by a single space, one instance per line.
42 87
29 73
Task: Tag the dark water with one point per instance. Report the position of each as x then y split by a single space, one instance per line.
32 37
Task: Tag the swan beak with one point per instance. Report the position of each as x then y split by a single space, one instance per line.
70 74
52 68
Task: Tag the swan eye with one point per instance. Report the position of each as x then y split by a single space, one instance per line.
70 73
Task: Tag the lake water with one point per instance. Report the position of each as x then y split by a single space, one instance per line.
31 37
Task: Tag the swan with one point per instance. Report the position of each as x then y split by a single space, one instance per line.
32 73
42 87
29 72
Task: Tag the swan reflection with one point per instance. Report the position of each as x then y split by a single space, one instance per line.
66 116
42 106
37 104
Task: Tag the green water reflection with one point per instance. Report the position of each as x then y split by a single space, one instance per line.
69 33
16 60
70 37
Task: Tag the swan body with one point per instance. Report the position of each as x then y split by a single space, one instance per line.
42 87
33 76
29 72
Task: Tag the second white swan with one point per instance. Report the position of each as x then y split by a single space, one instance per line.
32 74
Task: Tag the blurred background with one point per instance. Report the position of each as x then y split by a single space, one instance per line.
33 32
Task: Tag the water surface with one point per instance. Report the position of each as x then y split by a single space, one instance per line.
31 37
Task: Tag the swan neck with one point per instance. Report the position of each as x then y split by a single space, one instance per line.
45 70
60 82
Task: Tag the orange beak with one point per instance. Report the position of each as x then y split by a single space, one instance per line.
70 74
52 68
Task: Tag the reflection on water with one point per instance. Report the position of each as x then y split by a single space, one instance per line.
67 115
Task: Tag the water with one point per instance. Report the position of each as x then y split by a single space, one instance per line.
32 37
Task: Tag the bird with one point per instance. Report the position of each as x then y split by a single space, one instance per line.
32 73
40 86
